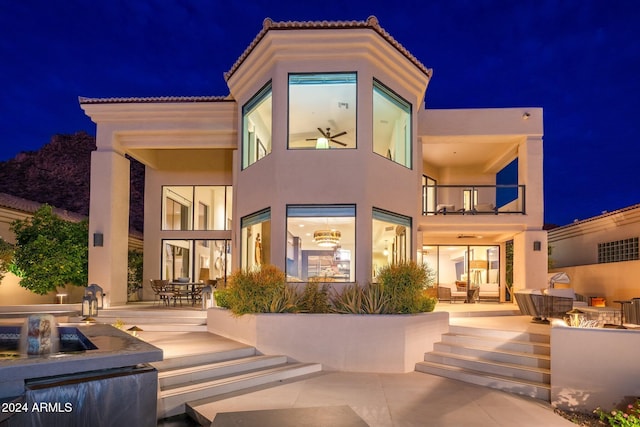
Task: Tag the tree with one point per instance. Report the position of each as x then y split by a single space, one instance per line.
6 257
50 252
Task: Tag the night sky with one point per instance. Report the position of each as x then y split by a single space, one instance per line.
577 59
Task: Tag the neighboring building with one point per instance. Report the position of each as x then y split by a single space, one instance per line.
323 162
600 254
14 208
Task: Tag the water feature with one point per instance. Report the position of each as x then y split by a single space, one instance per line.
40 336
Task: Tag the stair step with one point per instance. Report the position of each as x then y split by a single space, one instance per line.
172 401
203 358
533 389
496 354
500 333
177 376
497 343
176 313
486 366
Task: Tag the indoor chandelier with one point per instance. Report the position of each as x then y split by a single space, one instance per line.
327 238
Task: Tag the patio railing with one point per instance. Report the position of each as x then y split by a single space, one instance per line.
473 199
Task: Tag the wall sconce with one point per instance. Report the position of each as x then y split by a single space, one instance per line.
537 246
98 239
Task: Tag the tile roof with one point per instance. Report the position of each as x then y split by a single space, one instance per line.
29 206
153 99
597 217
371 22
15 203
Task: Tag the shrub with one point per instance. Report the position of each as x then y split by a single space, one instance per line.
315 297
404 284
629 417
134 273
222 298
253 291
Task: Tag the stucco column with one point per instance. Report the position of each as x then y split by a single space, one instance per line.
530 161
109 216
529 262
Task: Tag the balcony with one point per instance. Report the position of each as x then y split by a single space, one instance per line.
473 199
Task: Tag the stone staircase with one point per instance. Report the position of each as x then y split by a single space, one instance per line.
513 361
186 382
197 367
150 318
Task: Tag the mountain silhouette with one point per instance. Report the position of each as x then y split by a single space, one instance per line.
59 174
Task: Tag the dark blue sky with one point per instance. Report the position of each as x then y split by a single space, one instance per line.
577 59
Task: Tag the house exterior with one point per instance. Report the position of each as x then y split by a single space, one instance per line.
600 254
323 162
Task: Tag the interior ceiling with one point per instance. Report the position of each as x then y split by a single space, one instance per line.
319 106
467 151
304 228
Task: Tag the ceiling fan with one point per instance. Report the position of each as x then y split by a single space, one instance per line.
330 137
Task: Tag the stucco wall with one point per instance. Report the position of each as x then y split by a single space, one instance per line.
577 244
593 367
614 281
342 342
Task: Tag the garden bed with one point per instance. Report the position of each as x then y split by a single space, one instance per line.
340 342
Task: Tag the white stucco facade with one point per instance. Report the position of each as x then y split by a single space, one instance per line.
192 143
600 254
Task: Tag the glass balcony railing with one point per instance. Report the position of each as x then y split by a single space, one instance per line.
473 199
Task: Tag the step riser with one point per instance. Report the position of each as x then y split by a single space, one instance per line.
494 333
489 368
200 359
171 328
474 341
144 320
530 360
169 314
174 405
204 373
152 320
541 393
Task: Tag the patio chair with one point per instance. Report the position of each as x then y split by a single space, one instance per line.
444 293
161 291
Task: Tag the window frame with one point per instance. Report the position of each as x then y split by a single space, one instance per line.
407 107
250 156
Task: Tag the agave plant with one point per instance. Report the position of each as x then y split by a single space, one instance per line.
285 301
348 301
374 299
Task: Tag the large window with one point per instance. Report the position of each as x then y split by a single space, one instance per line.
321 242
212 207
391 125
256 127
474 265
197 260
322 111
391 239
256 240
